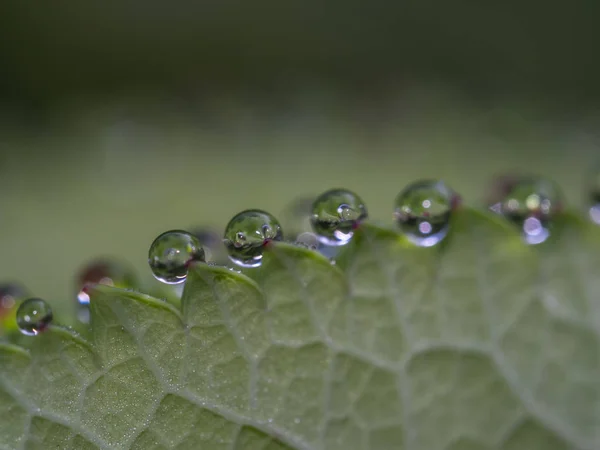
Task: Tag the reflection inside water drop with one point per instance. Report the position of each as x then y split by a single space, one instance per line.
425 239
534 231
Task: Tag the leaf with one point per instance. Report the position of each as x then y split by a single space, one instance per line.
479 343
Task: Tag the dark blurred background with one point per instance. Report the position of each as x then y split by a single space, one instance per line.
55 51
121 119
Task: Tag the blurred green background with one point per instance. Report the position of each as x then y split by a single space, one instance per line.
119 120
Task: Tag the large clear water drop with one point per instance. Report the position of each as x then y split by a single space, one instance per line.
423 210
34 316
171 253
336 214
246 235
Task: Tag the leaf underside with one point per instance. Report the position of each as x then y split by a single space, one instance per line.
479 343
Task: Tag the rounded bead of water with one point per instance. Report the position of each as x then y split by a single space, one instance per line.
246 235
423 210
34 316
336 214
171 253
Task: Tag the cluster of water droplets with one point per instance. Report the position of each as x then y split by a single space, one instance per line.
422 212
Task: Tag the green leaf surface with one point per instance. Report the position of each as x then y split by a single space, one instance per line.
479 343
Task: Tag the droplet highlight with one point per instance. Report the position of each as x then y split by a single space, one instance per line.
530 204
34 316
336 214
247 234
423 210
171 253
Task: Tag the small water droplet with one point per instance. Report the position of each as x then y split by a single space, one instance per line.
423 209
33 316
336 214
246 235
530 204
171 253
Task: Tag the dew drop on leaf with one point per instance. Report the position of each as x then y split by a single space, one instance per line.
33 316
336 214
530 204
246 235
109 272
171 253
423 210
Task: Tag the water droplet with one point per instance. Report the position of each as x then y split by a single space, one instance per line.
171 253
336 214
530 204
247 234
33 316
594 196
423 210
